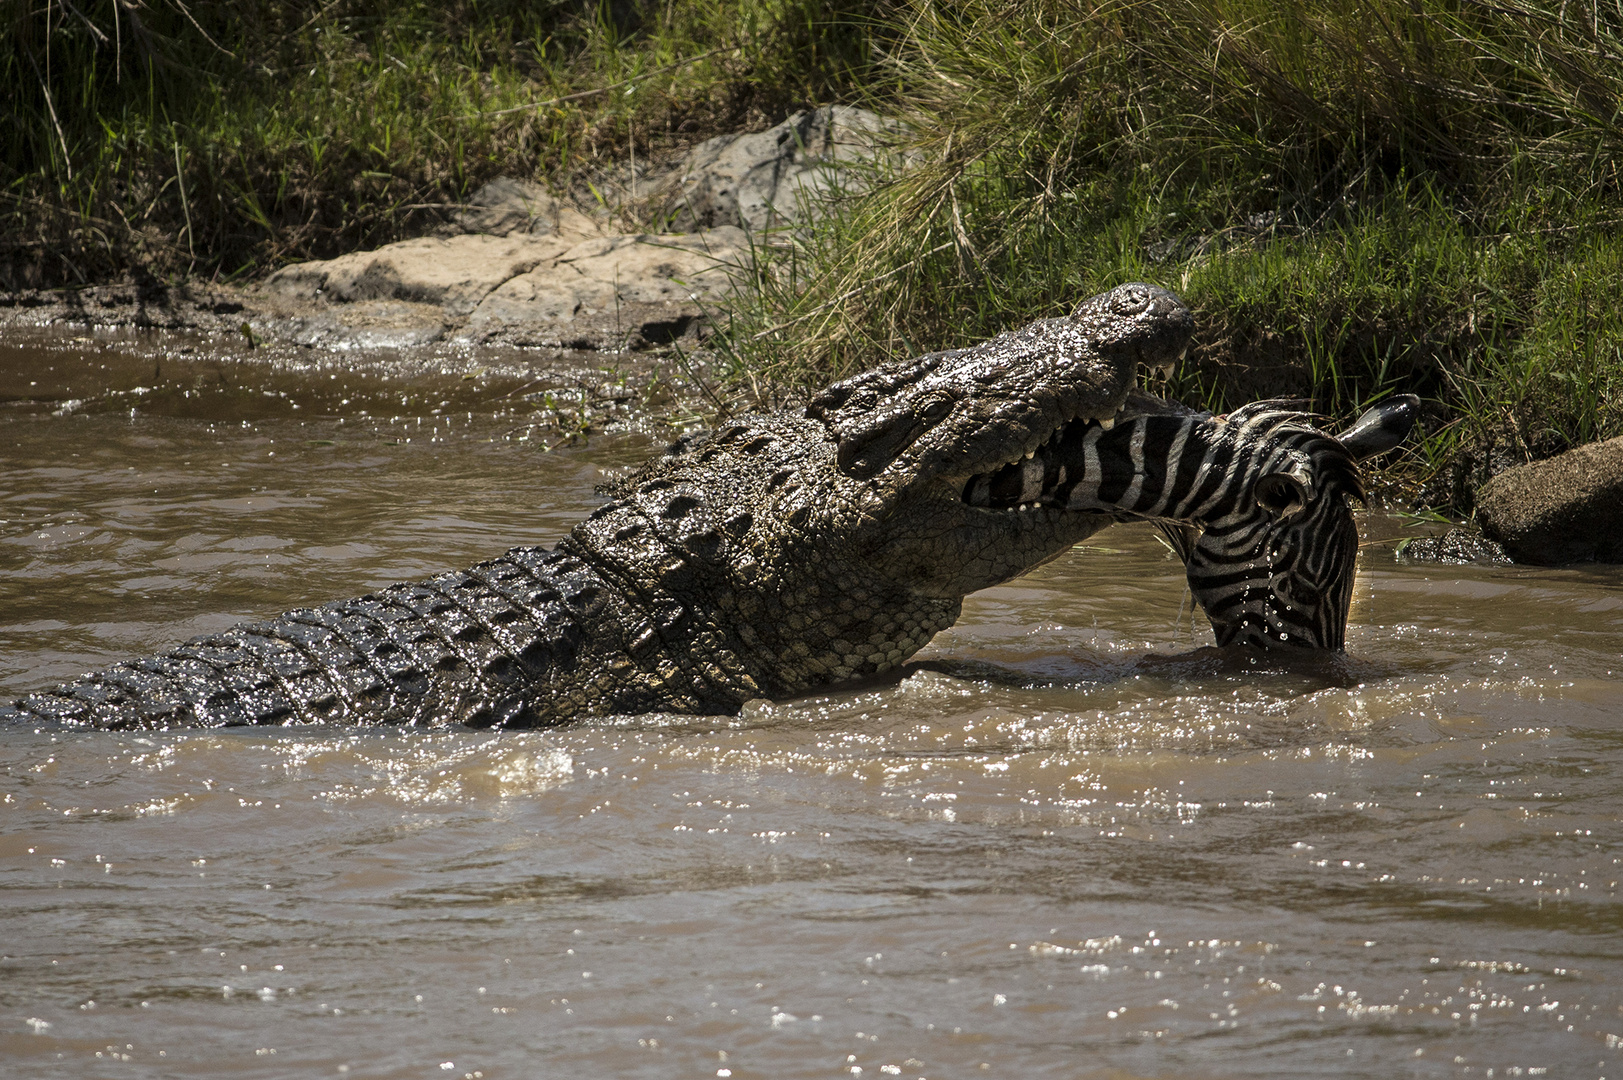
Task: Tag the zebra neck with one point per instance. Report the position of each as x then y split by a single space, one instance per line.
1184 468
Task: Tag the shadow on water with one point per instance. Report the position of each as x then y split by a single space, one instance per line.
1297 671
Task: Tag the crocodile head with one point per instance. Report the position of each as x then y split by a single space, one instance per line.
909 435
835 544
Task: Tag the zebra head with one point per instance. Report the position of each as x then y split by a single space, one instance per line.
1272 563
1256 503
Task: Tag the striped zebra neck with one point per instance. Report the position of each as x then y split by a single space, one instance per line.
1255 503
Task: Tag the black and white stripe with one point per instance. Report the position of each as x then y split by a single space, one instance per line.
1270 553
1255 503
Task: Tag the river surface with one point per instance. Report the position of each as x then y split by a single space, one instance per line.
1071 841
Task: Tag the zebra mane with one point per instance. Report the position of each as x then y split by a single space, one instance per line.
1335 467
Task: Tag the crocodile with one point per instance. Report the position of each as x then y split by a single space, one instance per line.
772 555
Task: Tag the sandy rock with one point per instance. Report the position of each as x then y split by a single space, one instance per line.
520 266
776 177
367 324
454 272
610 287
1565 509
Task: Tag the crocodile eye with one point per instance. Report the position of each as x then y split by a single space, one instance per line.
1130 299
934 409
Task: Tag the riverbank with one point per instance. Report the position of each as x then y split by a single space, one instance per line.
1409 197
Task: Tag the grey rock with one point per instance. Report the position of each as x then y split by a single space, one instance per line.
780 176
508 205
1564 509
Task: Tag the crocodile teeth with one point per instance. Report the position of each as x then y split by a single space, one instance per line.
1108 423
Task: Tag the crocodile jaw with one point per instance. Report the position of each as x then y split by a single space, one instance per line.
966 411
1029 484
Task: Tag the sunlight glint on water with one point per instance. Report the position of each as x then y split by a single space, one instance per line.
1062 845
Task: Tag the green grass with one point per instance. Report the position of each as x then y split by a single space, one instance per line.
269 130
1357 199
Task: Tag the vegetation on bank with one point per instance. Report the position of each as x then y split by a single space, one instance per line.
1400 194
221 140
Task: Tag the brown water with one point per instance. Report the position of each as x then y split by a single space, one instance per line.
1071 845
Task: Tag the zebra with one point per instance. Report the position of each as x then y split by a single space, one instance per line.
1255 503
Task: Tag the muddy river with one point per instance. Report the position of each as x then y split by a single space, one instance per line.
1069 841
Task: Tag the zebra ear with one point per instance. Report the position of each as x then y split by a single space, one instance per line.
1284 494
1382 427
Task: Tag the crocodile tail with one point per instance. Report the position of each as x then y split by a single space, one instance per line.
486 646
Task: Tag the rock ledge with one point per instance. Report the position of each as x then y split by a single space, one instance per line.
1565 509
